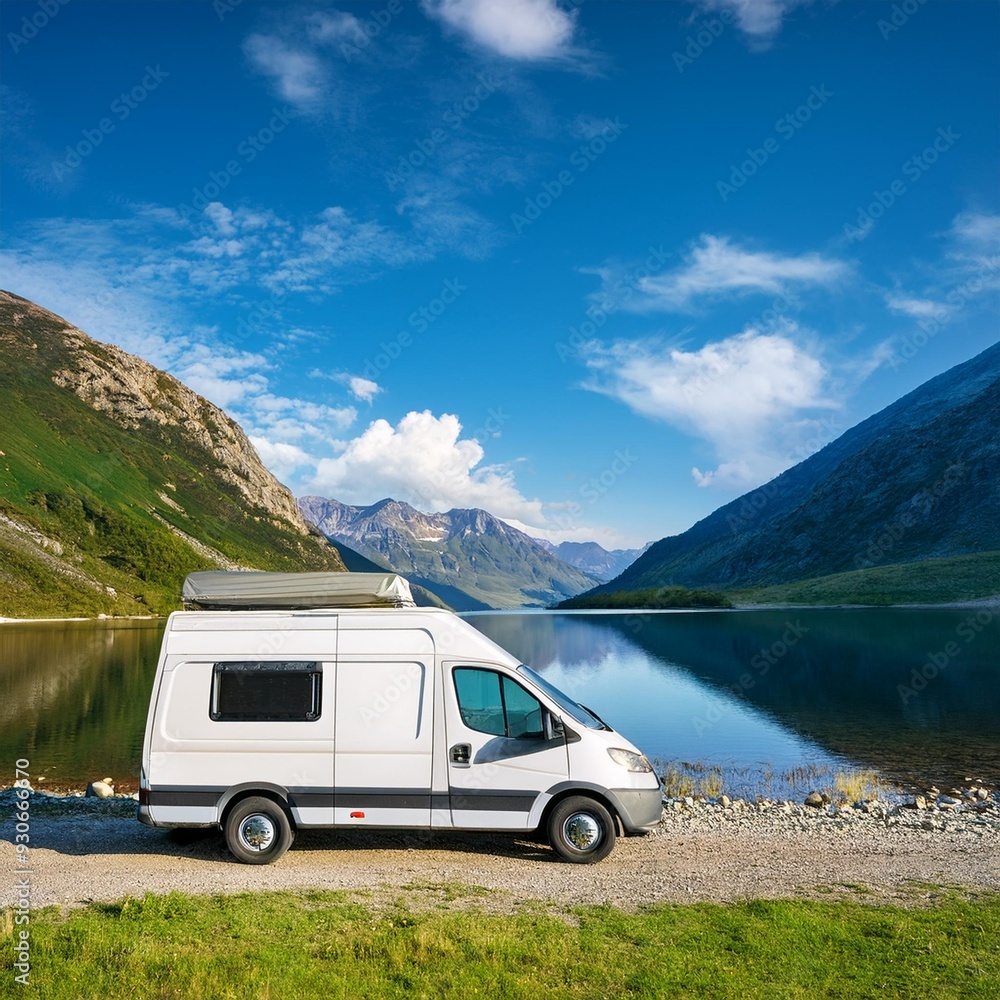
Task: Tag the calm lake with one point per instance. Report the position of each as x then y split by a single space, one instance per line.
769 698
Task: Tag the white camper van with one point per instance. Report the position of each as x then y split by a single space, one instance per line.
328 700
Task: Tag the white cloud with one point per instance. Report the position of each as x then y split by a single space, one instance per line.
977 230
363 388
281 458
360 388
425 461
297 74
915 307
751 396
716 267
524 30
759 20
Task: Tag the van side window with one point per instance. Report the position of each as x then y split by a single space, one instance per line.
261 691
492 703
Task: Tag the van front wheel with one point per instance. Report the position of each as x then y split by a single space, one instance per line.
581 830
258 831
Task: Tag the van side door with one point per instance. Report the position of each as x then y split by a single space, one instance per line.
385 729
499 759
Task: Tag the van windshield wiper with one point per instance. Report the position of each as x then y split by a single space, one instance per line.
604 725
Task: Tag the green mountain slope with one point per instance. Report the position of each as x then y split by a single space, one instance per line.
116 480
919 480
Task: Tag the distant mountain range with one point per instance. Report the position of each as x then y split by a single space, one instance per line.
116 480
469 558
593 559
918 481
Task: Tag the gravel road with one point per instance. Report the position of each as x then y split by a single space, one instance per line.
86 850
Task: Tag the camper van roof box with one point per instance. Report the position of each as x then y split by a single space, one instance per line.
245 591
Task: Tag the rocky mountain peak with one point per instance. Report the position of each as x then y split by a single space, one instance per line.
131 392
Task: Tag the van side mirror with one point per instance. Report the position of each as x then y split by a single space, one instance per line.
554 729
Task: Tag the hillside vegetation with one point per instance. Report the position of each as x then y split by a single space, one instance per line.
930 581
116 481
651 598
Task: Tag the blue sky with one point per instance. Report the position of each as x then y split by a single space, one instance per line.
596 267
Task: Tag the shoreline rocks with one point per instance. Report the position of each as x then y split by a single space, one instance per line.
945 813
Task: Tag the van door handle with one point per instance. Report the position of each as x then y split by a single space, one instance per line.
461 754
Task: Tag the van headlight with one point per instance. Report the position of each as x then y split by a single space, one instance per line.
633 761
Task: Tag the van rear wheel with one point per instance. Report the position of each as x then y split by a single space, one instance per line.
258 831
581 830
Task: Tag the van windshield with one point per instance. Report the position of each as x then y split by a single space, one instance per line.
563 700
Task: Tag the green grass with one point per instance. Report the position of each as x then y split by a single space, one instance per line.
651 597
317 944
930 581
93 485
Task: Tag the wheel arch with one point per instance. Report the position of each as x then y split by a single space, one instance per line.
566 789
262 789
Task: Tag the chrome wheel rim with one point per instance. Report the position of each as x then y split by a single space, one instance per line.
257 832
582 831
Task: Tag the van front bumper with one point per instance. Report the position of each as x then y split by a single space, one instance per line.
639 808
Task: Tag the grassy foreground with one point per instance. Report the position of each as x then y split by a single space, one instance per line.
316 944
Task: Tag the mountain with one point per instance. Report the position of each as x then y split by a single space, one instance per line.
469 558
116 480
593 559
919 480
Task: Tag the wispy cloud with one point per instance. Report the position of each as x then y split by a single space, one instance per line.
222 249
916 308
297 74
753 396
759 20
522 30
965 276
716 267
360 388
978 229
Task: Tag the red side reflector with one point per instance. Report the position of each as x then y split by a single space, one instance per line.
357 815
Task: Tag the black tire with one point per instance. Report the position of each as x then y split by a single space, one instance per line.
258 831
581 830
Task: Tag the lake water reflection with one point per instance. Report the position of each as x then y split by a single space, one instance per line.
913 694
